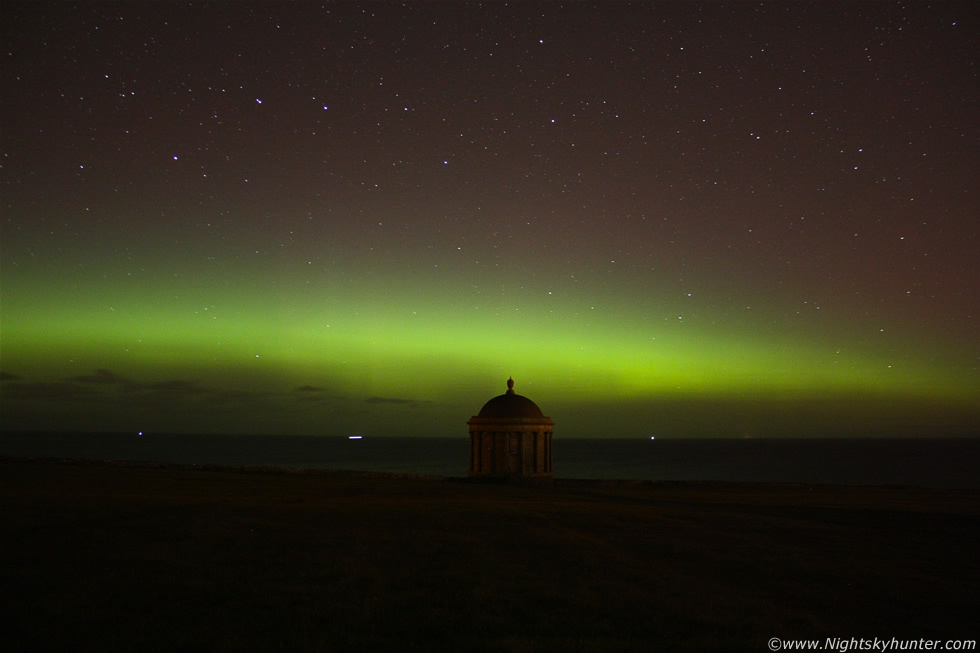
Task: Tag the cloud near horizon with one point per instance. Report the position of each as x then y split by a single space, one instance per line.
108 400
396 400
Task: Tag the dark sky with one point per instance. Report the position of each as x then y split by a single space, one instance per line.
659 218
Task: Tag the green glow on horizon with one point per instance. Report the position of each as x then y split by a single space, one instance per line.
271 350
404 340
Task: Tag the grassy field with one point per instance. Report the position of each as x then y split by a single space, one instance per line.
99 557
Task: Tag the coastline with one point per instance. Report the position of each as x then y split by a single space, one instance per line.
927 462
340 473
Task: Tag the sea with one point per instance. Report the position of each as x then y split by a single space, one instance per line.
922 462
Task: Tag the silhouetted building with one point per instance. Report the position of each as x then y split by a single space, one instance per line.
510 438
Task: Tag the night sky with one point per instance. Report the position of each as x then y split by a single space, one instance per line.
715 219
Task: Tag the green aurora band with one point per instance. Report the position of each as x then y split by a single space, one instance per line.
273 348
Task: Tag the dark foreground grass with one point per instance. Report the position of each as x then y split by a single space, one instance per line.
98 557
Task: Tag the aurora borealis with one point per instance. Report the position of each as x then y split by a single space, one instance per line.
718 219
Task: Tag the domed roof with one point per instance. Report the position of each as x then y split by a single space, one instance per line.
510 405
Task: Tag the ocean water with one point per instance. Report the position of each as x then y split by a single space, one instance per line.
937 462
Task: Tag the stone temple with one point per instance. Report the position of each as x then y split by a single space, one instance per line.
510 439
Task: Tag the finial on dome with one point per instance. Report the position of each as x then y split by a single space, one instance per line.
510 386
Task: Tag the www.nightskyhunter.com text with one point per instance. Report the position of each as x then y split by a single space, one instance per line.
843 645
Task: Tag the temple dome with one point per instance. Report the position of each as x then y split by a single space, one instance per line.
511 406
511 439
